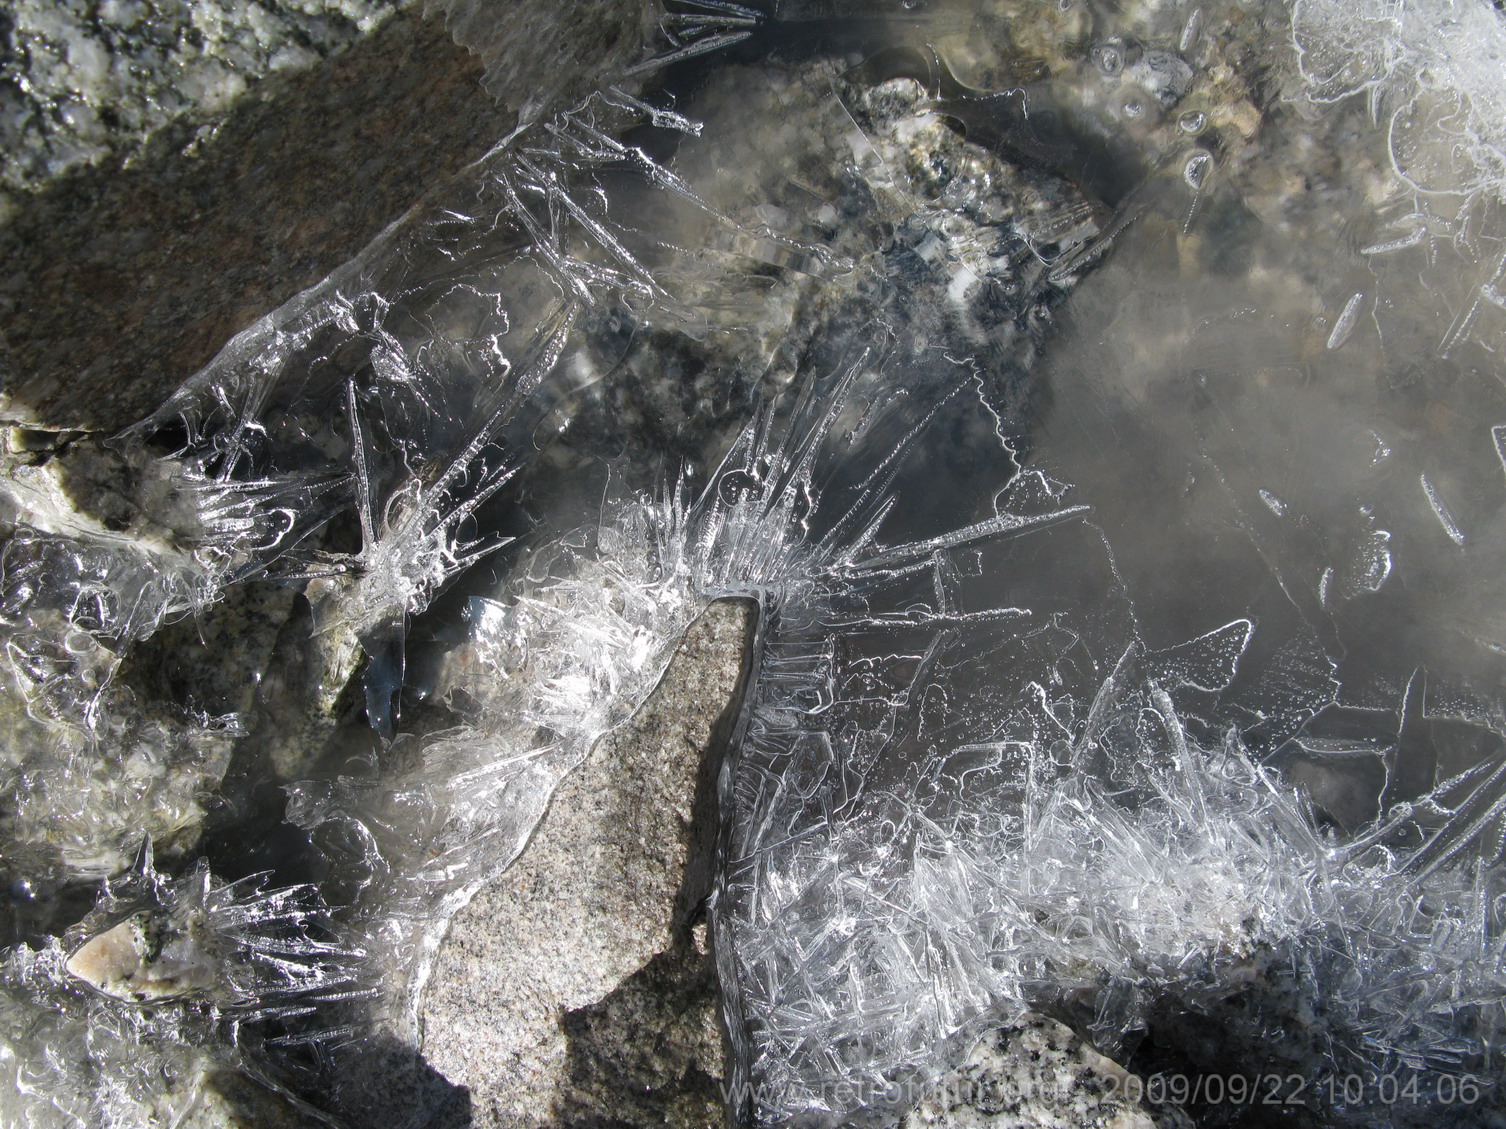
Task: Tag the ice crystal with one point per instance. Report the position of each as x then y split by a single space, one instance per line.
1428 74
245 950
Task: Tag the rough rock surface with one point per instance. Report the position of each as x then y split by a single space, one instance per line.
126 279
87 81
578 986
1037 1074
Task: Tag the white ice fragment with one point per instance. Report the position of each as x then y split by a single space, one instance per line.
693 48
1389 246
1485 291
1441 512
1498 437
1371 564
1196 168
1004 523
1273 503
1192 31
1344 326
914 838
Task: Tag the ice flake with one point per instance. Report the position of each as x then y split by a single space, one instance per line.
1441 512
1370 566
1344 324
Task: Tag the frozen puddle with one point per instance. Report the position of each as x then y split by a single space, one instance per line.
1102 404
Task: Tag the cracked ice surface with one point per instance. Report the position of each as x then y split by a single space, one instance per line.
1122 496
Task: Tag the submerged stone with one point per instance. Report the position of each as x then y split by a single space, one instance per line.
147 959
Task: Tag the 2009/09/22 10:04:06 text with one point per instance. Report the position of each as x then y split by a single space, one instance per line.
1413 1088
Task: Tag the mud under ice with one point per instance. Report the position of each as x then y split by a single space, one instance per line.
1102 407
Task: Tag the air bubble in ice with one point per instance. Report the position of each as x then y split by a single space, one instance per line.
1196 168
1191 31
1273 503
1441 512
1346 321
1109 57
1192 122
736 485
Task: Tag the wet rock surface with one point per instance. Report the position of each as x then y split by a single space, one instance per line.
1038 1074
577 988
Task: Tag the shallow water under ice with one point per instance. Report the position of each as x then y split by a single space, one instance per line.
1104 405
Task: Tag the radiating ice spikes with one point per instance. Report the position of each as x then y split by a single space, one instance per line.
417 542
236 528
692 28
239 502
1130 854
239 949
569 647
564 651
69 606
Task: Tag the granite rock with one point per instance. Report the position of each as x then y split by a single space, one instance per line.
578 985
1038 1074
85 82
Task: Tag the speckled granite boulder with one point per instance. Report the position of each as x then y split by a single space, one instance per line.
577 988
1037 1074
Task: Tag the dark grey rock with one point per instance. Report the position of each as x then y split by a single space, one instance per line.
87 82
124 279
